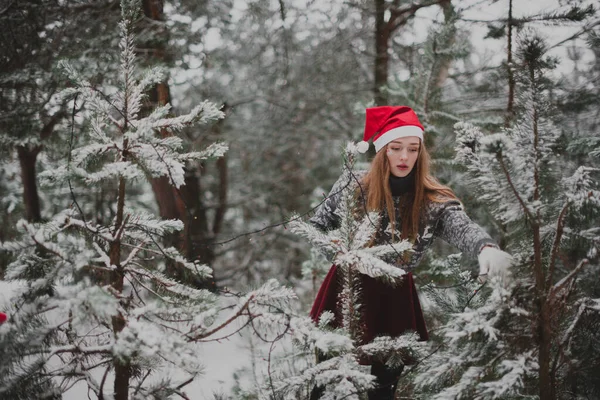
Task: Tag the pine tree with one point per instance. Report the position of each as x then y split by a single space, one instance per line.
577 99
94 304
341 374
518 342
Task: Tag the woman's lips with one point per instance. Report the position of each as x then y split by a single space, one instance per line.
402 166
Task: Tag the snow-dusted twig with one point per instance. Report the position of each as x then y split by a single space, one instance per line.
559 285
556 245
232 318
514 189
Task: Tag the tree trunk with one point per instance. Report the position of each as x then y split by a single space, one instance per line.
122 368
446 62
159 95
544 358
186 203
197 237
544 322
399 15
543 285
441 62
169 202
382 36
223 180
200 235
509 67
31 200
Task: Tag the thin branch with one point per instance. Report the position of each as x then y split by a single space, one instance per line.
134 252
558 286
584 30
567 335
556 244
232 333
149 289
269 370
7 8
514 189
225 323
102 382
139 386
407 12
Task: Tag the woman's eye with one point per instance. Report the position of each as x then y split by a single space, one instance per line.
413 150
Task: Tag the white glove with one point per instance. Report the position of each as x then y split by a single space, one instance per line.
494 262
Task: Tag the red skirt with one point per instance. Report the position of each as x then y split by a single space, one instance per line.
387 310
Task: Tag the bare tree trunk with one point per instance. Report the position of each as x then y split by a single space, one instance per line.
547 390
509 59
31 200
286 41
382 36
446 62
200 235
399 15
186 203
27 160
170 203
159 95
441 61
222 195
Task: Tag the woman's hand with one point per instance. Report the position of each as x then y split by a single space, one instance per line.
494 262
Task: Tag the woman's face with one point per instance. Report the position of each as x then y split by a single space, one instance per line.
402 155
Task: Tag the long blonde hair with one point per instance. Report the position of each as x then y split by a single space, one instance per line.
379 194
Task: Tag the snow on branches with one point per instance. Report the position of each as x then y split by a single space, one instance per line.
513 343
98 301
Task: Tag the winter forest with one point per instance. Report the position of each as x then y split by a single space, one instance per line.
160 160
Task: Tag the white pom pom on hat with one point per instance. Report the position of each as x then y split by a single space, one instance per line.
362 146
387 123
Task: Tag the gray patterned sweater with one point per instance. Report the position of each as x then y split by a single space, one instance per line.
447 221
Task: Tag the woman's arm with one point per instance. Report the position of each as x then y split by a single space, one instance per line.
326 217
454 226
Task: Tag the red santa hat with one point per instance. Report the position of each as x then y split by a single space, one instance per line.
3 318
387 123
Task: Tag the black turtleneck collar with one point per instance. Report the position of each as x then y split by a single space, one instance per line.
402 185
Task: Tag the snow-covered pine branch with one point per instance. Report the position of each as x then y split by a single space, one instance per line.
396 351
329 243
341 377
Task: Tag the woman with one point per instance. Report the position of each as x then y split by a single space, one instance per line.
413 206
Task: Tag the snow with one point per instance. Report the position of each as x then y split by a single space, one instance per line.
7 289
494 50
219 357
223 357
